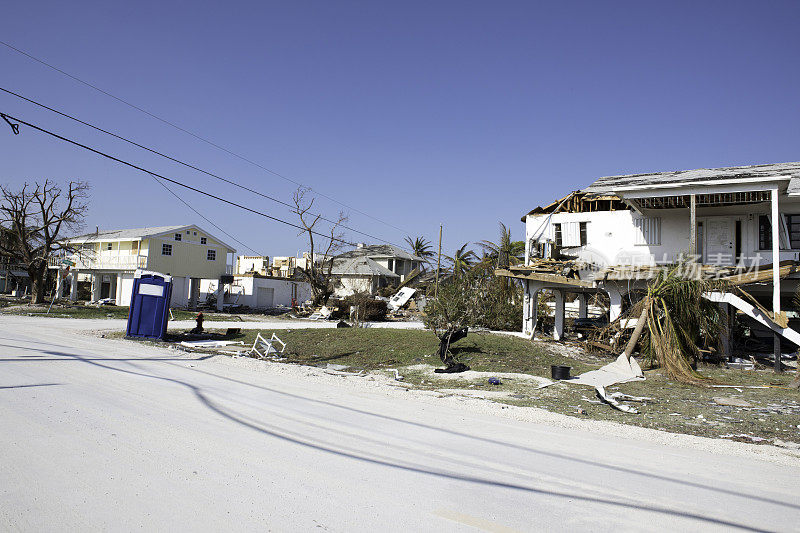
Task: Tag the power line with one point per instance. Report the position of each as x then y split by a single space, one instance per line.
198 213
188 165
196 136
176 182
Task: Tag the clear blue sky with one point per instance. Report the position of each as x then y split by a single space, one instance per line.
465 113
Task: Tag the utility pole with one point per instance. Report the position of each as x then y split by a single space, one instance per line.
438 265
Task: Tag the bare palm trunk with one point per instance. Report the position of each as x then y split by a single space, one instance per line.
637 332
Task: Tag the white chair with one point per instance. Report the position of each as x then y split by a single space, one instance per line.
264 347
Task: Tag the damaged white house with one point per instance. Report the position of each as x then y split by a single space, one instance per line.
741 222
370 267
108 259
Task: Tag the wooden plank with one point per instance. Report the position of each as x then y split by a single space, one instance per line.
547 278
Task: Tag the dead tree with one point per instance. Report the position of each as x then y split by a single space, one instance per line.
319 273
34 219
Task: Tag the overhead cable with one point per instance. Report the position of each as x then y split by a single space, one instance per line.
188 165
196 136
176 182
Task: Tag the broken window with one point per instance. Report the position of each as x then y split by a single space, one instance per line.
567 234
648 231
166 249
211 255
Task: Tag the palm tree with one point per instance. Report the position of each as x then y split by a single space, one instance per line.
505 252
420 247
461 261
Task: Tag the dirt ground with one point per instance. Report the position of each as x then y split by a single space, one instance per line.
754 405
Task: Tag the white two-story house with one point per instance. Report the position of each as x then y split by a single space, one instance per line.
737 217
108 259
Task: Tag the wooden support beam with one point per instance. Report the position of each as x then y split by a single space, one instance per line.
547 278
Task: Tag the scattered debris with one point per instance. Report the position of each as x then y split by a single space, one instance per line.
732 402
401 298
494 381
323 314
397 376
629 398
743 436
601 393
209 344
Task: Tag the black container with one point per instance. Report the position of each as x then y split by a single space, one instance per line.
560 372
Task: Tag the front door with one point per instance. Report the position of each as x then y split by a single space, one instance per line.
719 236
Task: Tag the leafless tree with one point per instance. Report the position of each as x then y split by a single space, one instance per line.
34 219
318 273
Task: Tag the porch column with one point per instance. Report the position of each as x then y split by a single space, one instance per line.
693 227
582 307
615 295
97 281
776 277
530 307
73 286
558 318
118 292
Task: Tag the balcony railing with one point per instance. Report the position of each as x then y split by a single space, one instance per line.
103 262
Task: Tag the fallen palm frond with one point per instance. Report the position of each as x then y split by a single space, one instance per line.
675 321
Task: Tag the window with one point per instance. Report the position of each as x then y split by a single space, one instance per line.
135 246
202 240
212 255
188 232
178 236
648 231
569 234
793 227
583 226
193 233
391 265
166 249
109 246
764 233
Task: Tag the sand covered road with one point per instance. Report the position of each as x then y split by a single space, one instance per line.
99 434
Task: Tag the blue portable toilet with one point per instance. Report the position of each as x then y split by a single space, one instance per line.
149 310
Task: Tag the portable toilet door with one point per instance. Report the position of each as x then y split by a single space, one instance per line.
149 309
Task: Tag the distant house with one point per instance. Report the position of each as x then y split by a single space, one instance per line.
108 259
360 274
392 258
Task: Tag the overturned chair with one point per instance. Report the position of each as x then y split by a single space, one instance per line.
263 348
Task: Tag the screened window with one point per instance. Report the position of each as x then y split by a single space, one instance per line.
764 233
557 235
166 249
648 231
178 236
212 255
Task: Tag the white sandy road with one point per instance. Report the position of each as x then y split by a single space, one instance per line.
99 434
